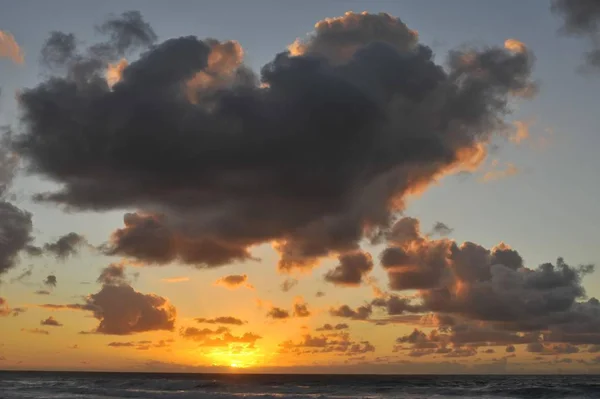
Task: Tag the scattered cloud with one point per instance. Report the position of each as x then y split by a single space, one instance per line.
234 281
581 18
5 310
361 313
497 174
352 269
288 284
66 246
36 331
51 321
50 281
222 320
9 48
278 313
329 327
121 310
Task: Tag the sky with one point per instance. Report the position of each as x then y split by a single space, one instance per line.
354 187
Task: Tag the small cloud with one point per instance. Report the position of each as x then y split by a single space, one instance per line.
51 321
301 308
65 246
175 279
9 48
121 344
320 294
278 313
50 281
42 292
521 132
36 331
288 284
234 281
441 229
497 174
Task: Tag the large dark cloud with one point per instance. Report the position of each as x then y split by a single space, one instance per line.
318 151
582 18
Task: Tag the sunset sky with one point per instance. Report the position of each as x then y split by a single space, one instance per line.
300 186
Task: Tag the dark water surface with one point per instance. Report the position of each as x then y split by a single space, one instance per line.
68 385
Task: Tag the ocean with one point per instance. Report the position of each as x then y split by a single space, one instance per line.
54 385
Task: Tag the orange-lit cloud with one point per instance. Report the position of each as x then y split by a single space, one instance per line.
10 49
521 132
234 281
223 62
515 45
497 174
114 72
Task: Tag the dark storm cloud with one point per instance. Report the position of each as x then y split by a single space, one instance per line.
50 281
65 246
222 320
308 156
353 267
51 321
581 18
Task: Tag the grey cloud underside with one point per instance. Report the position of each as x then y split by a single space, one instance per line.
65 246
582 18
16 225
326 146
480 296
120 309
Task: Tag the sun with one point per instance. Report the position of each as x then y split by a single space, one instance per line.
234 365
